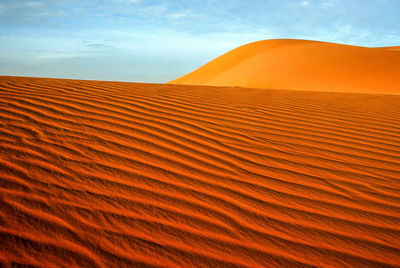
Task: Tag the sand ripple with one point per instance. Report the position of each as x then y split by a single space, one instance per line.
125 174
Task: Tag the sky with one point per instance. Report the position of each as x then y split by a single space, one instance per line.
157 41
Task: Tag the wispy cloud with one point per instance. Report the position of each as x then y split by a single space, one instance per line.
178 15
328 4
157 11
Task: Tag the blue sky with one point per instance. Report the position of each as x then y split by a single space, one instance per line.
156 41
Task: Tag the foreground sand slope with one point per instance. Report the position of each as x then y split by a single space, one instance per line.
304 65
124 174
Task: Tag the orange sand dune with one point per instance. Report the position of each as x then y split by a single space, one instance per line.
303 65
100 174
392 48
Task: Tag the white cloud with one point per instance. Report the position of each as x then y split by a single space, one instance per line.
178 15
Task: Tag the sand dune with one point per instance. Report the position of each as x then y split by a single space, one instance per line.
125 174
303 65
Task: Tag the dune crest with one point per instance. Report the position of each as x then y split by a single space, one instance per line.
302 65
107 174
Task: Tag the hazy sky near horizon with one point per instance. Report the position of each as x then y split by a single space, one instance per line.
156 41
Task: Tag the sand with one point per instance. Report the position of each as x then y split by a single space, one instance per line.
303 65
100 174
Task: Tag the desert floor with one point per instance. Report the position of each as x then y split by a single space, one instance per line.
128 174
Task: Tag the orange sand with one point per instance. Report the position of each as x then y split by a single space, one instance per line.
124 174
304 65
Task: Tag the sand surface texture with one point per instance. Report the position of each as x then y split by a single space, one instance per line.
304 65
100 174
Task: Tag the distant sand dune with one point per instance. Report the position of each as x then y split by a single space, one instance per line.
126 174
302 65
